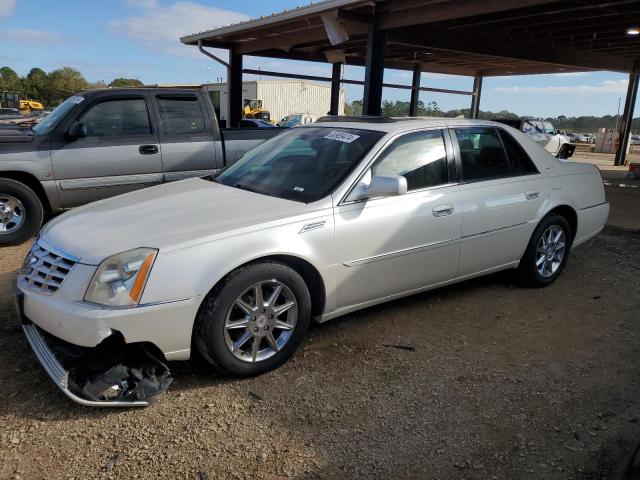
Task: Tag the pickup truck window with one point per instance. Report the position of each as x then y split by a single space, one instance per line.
181 115
45 125
302 164
117 118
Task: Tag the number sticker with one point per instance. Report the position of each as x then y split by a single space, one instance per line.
342 137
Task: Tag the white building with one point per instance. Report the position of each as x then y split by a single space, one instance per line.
279 97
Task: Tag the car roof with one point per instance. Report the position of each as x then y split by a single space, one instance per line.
398 124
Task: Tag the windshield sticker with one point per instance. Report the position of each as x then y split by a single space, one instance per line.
298 189
342 137
76 99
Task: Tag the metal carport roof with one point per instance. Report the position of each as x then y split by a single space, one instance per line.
462 37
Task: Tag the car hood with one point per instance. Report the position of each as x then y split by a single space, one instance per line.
161 217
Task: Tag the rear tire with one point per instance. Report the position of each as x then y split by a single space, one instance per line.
547 252
21 213
233 319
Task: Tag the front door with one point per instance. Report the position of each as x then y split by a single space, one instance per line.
120 152
394 245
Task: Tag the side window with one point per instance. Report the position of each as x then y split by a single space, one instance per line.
181 115
117 118
482 155
519 160
419 157
246 124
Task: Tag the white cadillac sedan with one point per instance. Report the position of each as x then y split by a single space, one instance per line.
315 223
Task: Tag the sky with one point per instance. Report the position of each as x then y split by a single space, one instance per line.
140 39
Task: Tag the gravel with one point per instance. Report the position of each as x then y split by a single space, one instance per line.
478 380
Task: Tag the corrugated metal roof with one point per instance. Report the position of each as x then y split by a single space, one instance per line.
311 9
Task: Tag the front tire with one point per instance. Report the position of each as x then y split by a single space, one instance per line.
254 321
547 252
21 213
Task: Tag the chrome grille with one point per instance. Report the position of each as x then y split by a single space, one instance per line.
44 271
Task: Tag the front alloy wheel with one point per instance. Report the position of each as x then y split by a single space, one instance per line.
261 321
254 320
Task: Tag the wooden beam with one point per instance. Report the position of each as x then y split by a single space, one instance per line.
290 40
452 10
476 44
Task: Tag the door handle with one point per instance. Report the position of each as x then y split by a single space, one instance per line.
442 210
148 149
532 195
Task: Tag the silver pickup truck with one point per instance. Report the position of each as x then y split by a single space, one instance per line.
102 143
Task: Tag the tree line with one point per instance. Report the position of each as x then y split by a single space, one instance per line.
53 87
584 124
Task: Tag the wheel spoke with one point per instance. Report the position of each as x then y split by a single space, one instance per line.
541 260
255 348
283 308
247 309
244 323
237 345
272 342
271 302
558 236
259 297
283 325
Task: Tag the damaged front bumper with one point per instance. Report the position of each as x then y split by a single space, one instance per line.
60 376
113 374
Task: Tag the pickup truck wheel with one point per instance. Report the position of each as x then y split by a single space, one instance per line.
20 213
547 252
254 321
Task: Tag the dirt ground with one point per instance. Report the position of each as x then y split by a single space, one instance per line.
477 381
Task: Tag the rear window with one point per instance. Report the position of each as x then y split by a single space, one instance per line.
519 161
181 115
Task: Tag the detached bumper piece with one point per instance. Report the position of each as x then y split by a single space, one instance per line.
111 375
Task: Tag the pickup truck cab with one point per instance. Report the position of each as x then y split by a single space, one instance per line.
102 143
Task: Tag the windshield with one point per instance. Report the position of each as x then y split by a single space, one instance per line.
302 164
47 124
548 128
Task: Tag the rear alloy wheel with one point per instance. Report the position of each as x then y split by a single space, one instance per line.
254 320
547 252
20 213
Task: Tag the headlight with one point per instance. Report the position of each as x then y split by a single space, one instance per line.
120 279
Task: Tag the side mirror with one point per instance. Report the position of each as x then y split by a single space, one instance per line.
77 130
386 186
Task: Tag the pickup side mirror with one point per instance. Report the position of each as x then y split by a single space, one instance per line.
77 130
386 186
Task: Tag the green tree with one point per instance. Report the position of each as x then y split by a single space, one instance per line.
35 84
9 80
125 82
65 82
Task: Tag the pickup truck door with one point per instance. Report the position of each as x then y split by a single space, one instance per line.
119 153
502 197
187 137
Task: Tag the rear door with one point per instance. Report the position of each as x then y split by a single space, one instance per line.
502 195
187 137
119 154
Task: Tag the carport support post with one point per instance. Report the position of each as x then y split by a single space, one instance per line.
627 116
335 89
475 98
234 87
374 68
415 90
